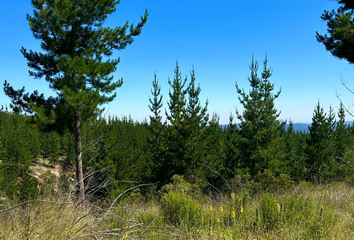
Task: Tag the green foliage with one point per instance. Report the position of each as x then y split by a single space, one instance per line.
68 150
157 139
260 128
196 121
242 182
179 184
50 146
176 130
311 212
19 146
347 167
75 61
214 153
74 44
295 209
180 206
339 40
27 188
267 181
49 182
232 151
342 136
182 211
295 150
320 150
116 152
64 183
186 133
269 212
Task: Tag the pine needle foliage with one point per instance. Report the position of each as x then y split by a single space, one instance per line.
75 62
260 127
340 23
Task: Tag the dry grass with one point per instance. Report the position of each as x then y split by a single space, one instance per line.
39 168
327 213
46 221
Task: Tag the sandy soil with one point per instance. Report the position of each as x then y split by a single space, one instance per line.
41 166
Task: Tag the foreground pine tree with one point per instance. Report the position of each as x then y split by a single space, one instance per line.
75 47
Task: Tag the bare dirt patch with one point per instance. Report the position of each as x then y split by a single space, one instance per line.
41 166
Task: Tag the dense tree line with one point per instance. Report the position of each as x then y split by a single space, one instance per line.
120 153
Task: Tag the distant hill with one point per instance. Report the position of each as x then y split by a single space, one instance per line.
300 127
303 127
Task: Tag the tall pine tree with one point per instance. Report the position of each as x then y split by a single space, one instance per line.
196 121
177 131
260 128
342 137
156 140
320 149
75 47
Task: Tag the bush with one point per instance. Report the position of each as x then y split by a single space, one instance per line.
179 210
28 188
180 185
269 212
296 209
48 184
267 181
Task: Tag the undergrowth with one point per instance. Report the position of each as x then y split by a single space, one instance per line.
181 211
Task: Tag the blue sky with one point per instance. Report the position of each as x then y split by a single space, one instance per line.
218 39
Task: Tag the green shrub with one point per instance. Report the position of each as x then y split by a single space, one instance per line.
179 210
179 185
27 188
242 182
49 183
64 182
296 210
267 181
269 212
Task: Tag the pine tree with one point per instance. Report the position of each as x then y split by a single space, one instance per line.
177 102
156 138
75 46
122 156
232 150
295 153
19 147
340 23
342 137
320 150
196 121
214 153
260 128
50 146
176 130
342 144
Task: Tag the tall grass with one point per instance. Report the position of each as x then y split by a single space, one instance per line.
181 212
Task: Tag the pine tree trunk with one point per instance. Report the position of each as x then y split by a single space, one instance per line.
79 171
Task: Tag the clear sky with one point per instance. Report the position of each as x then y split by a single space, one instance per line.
218 39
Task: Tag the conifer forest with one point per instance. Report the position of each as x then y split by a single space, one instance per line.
179 174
